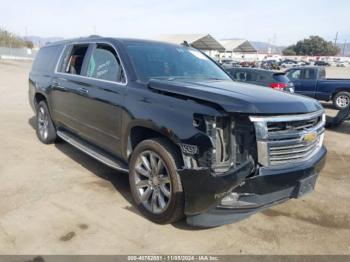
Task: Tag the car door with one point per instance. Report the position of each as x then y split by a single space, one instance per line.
67 88
100 104
309 81
295 77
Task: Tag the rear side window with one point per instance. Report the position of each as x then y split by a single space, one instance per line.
251 76
261 77
73 59
46 59
244 76
240 76
281 78
104 64
295 74
233 74
322 74
309 74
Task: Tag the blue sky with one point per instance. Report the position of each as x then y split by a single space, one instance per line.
282 21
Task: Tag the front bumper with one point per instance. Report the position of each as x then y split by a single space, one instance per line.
270 187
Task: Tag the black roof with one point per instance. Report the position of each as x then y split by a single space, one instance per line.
305 67
100 38
256 70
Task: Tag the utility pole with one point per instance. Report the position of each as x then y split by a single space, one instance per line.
344 47
336 38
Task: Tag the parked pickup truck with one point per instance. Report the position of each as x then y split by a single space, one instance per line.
312 81
192 141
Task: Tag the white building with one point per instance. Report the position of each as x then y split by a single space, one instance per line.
204 42
237 49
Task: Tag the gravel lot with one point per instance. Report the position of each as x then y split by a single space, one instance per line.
56 200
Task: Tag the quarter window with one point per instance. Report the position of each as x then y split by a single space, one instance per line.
104 64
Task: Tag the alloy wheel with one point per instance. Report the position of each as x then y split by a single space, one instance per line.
152 181
343 101
43 123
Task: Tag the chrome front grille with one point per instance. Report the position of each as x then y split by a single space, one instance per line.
288 139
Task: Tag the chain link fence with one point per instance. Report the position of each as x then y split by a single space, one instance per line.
17 53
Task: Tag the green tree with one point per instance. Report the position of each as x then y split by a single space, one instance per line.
8 39
29 44
313 46
290 50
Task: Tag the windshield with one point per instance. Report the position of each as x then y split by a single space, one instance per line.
156 60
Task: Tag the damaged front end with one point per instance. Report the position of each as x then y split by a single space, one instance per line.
241 171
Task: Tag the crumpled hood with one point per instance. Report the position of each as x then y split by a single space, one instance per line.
238 97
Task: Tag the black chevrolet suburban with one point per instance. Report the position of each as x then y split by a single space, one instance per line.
193 142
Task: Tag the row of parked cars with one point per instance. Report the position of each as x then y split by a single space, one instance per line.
305 80
272 64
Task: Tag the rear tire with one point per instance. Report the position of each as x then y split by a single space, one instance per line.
155 184
45 129
341 100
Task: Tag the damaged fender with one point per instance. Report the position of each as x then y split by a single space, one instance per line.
204 190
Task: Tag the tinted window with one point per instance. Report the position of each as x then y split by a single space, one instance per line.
251 76
233 73
73 59
282 78
261 77
46 59
104 64
155 60
244 76
239 76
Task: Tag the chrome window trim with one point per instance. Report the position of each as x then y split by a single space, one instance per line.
93 78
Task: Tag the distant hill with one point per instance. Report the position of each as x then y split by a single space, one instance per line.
41 41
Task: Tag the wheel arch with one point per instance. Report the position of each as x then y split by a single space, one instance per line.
142 131
340 89
38 97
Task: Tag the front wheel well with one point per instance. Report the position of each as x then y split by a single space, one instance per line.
38 98
139 134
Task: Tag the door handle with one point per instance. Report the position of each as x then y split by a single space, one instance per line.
57 85
83 90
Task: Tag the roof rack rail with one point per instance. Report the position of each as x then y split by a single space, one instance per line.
94 36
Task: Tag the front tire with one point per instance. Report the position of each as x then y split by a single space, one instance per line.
155 184
341 100
45 129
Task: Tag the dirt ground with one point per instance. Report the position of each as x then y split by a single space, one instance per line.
56 200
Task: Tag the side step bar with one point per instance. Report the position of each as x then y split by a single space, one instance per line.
92 151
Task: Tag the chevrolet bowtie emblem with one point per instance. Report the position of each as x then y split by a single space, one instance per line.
310 137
